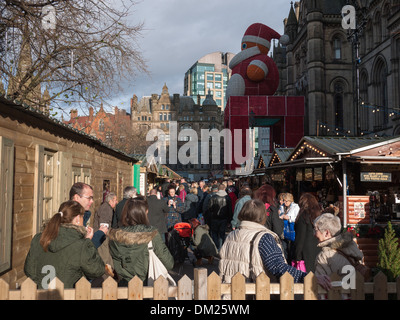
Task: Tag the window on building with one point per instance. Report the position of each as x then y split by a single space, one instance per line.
169 116
338 105
6 202
165 116
161 116
381 94
53 176
101 125
337 48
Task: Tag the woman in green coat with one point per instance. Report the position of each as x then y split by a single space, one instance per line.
64 250
128 244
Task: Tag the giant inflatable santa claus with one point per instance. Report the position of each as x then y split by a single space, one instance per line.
253 71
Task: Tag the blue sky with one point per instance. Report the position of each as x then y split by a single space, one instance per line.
179 32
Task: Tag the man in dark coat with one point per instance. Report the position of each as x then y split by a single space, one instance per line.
220 208
158 210
105 212
129 192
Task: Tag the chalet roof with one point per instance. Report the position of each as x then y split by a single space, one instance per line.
318 150
22 112
346 145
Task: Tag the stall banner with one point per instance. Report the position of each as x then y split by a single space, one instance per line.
358 210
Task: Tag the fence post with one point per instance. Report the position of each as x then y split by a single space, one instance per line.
380 287
286 287
200 284
185 288
213 287
83 289
359 292
310 287
263 287
135 289
28 290
238 287
4 290
110 289
160 289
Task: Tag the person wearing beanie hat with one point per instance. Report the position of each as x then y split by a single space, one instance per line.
253 71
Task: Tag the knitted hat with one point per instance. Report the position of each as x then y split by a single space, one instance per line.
261 34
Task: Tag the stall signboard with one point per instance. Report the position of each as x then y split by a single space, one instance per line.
358 210
376 177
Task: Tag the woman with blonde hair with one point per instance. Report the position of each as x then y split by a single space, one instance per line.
65 245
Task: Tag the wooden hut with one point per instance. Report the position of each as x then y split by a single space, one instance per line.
40 160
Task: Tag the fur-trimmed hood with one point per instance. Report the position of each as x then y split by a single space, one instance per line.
342 242
139 234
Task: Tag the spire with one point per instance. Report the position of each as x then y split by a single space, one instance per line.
165 89
292 20
291 24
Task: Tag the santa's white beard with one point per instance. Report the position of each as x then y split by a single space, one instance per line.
243 55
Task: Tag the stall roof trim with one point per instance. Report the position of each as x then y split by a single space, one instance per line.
346 145
282 153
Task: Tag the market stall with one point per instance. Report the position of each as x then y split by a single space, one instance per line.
360 175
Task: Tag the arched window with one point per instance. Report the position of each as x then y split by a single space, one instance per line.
381 94
338 104
364 109
377 29
385 18
101 125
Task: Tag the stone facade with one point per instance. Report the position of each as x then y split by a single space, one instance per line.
320 64
156 112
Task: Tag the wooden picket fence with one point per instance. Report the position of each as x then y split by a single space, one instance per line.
204 287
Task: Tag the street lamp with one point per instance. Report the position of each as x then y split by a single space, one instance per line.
353 35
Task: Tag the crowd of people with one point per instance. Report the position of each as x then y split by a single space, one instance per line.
248 231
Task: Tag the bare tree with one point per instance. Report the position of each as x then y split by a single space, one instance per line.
78 50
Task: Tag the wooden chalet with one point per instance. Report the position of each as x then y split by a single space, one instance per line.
40 160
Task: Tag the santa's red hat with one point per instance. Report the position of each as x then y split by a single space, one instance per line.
261 34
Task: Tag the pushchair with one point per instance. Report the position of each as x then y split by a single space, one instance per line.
179 239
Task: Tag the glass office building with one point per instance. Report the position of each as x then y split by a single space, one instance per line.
209 74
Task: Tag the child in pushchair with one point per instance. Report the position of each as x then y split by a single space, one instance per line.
179 239
203 245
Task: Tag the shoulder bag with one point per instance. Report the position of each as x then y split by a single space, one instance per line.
361 268
157 268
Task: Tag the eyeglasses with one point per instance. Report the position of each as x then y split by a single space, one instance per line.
89 198
286 201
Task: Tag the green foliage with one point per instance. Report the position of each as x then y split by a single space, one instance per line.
389 254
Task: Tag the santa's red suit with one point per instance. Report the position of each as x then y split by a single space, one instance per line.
253 71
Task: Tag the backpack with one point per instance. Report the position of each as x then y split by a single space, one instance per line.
218 208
